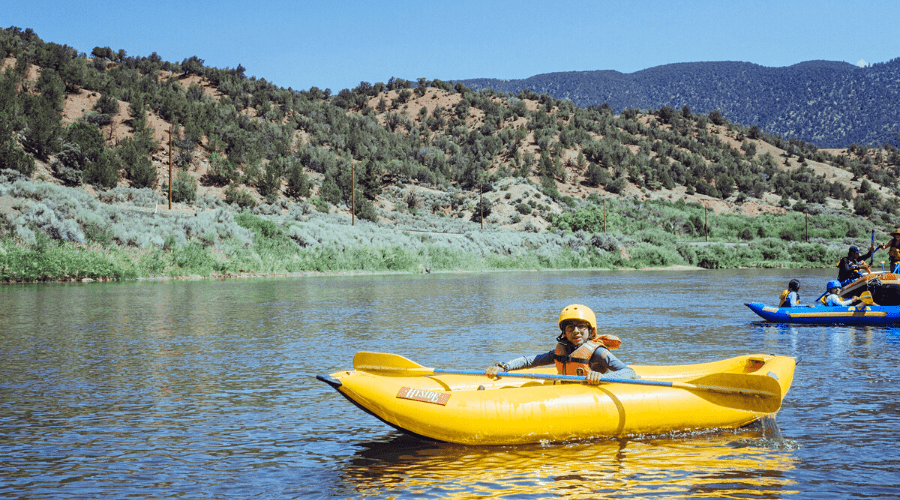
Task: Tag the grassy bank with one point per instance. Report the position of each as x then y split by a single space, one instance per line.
49 232
42 261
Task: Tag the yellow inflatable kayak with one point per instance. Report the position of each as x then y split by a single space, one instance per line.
537 405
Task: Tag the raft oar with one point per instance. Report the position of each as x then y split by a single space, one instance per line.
874 249
764 389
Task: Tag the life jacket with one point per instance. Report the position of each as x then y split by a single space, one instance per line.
578 361
827 296
782 300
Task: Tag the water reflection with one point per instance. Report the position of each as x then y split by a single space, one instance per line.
726 465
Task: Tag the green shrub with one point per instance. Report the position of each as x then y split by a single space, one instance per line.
104 171
482 208
715 257
239 196
771 249
656 236
688 253
330 192
13 157
298 183
809 254
366 210
222 171
320 204
649 255
590 220
184 189
137 164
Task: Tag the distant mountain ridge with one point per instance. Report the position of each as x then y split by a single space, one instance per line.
828 103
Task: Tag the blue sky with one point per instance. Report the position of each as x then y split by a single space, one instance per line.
337 44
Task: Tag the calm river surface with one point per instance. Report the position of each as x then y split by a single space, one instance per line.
207 389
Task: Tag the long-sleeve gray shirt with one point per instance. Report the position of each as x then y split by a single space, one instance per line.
602 360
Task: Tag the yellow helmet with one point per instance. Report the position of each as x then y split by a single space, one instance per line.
580 312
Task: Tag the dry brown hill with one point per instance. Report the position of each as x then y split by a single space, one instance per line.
413 109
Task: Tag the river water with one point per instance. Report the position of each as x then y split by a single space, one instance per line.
207 389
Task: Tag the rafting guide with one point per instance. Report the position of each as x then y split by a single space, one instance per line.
849 267
579 351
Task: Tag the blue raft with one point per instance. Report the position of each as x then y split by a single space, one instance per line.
862 314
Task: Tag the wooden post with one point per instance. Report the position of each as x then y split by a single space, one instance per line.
353 194
807 227
170 166
706 223
604 216
481 203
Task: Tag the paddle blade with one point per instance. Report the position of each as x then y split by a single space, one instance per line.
389 363
866 298
761 394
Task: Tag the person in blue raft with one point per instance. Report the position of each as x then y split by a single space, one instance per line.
791 296
579 350
833 299
849 267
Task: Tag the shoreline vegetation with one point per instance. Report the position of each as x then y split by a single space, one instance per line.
56 233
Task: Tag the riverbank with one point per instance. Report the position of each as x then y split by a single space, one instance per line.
219 244
24 264
54 233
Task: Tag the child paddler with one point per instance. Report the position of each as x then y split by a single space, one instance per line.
791 296
579 351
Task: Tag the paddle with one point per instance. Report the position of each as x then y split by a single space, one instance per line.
872 257
757 393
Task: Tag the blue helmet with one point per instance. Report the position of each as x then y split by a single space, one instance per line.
832 284
853 250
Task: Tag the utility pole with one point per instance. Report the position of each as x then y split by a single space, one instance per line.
171 128
706 223
481 203
353 194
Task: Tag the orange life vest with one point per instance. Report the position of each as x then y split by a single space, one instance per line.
578 361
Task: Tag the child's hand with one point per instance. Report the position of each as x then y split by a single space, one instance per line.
593 378
492 371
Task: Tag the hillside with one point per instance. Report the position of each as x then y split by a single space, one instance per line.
429 156
830 104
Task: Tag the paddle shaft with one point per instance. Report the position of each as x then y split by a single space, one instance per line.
872 257
577 378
